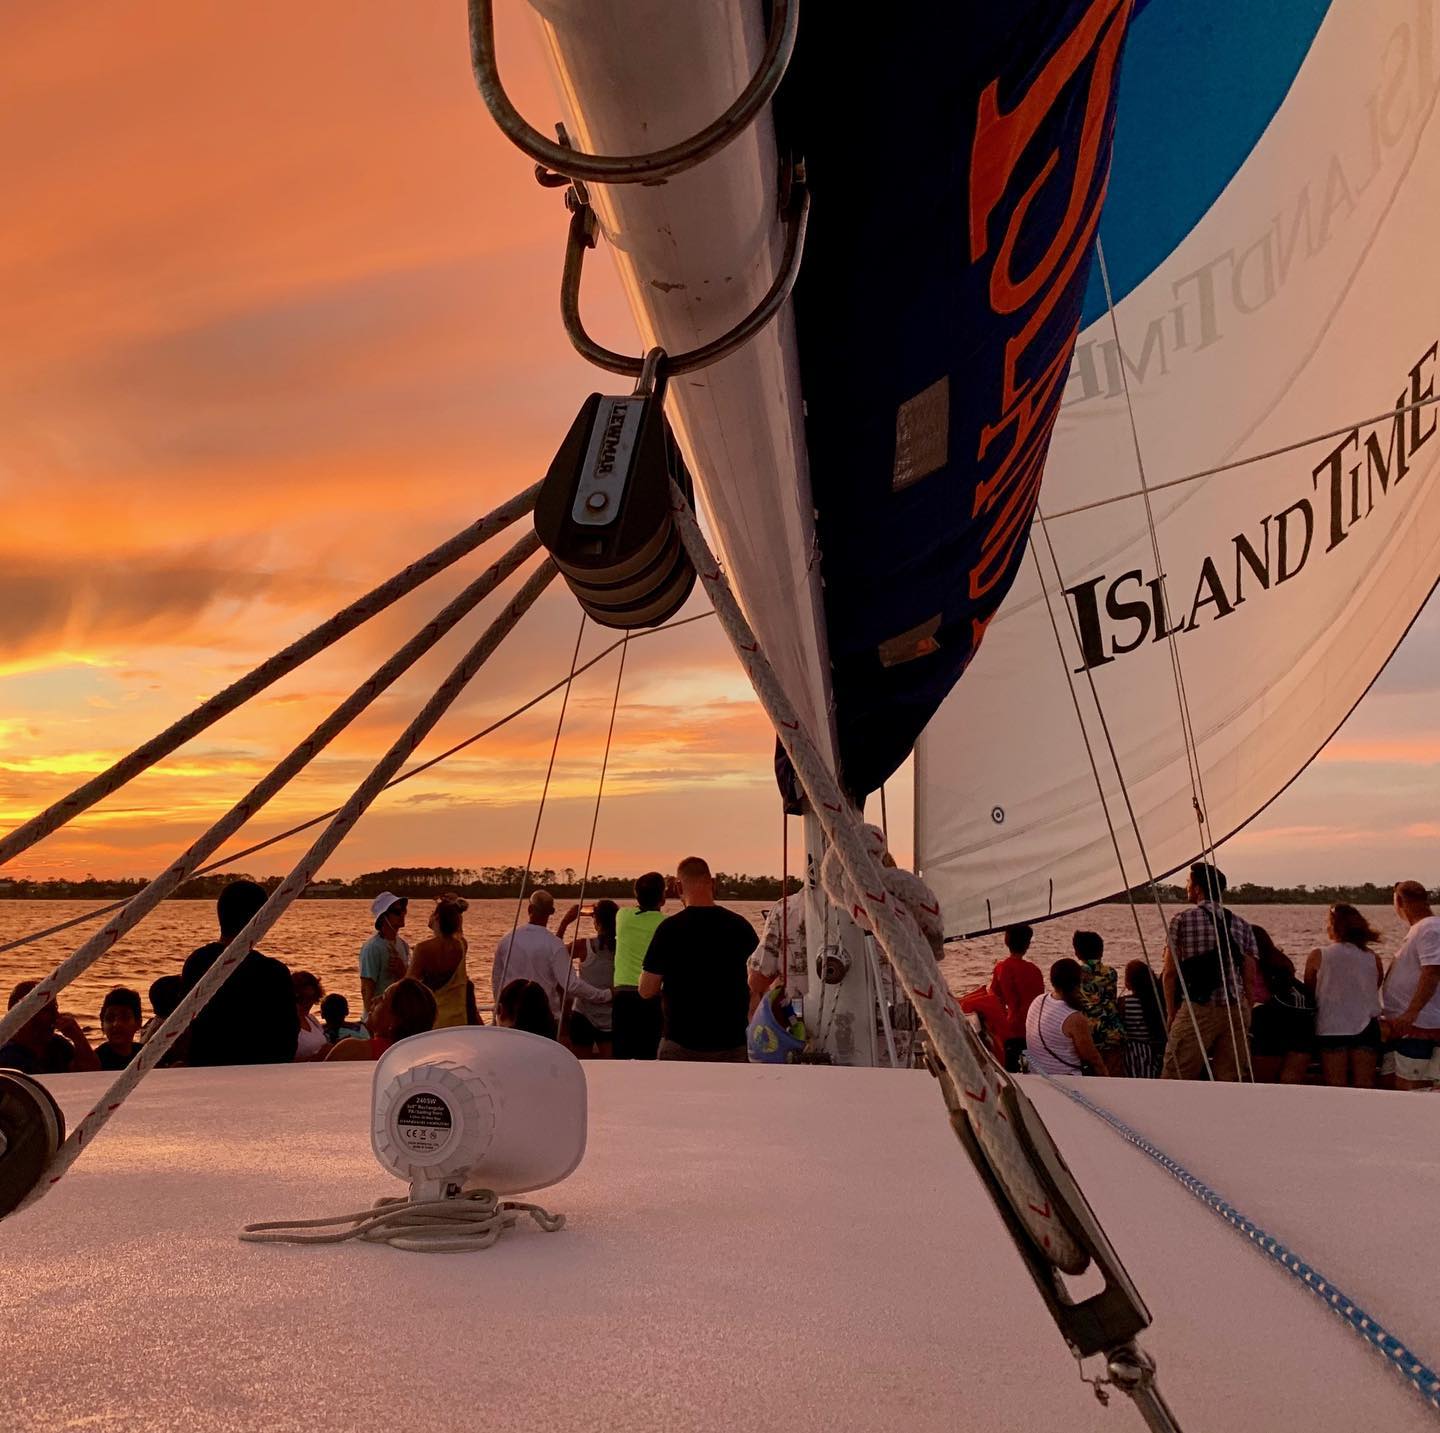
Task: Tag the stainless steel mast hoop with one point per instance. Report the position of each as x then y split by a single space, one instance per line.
632 168
583 230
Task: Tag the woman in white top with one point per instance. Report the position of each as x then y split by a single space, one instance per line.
1345 979
1058 1036
312 1043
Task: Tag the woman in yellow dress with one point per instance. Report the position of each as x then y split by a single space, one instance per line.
439 962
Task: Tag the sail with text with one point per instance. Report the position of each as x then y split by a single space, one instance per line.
1239 517
956 196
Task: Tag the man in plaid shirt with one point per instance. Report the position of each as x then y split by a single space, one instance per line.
1206 998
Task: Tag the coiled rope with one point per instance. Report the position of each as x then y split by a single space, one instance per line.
266 674
473 1220
1422 1378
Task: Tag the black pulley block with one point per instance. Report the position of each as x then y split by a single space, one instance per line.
605 515
32 1128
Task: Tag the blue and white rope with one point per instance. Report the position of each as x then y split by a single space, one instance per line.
1423 1379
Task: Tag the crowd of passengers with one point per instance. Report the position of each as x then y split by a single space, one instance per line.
1229 1004
647 984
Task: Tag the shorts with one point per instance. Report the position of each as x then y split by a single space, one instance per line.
1417 1061
1367 1039
585 1033
1278 1030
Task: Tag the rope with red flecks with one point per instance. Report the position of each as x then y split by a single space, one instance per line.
305 871
895 925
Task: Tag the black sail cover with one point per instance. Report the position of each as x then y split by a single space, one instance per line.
958 157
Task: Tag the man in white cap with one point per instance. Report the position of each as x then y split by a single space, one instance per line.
385 956
532 952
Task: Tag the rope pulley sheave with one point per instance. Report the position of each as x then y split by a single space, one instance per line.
32 1128
605 512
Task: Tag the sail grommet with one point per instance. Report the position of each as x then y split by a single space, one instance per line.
605 511
32 1129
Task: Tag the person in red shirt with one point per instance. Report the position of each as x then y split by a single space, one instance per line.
984 1004
1016 982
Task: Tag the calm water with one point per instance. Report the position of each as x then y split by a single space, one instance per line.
324 936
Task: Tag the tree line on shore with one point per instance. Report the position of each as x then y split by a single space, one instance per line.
418 882
1248 893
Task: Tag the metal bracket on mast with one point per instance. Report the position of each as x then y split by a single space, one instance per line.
651 168
584 231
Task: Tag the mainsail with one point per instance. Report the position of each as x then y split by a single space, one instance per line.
1194 620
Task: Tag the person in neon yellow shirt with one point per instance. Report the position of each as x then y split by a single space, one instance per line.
637 1021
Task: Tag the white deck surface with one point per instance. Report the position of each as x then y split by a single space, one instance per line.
747 1247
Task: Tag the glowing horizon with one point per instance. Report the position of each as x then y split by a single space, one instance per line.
270 341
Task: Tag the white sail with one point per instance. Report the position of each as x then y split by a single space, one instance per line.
1303 299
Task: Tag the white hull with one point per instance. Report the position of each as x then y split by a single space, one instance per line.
746 1247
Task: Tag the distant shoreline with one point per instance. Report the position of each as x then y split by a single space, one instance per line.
728 887
414 884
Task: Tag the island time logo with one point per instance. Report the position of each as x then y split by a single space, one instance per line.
1038 176
1115 615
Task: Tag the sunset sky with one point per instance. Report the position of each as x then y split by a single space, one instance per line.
280 313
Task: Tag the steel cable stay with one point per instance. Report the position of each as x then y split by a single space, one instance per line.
499 982
1100 785
595 818
304 871
1237 463
1235 1020
31 937
266 674
143 902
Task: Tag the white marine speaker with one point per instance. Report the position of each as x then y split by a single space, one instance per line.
478 1106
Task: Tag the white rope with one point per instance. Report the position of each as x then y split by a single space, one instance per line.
30 937
266 674
179 871
158 1046
473 1220
976 1081
1234 1019
1124 787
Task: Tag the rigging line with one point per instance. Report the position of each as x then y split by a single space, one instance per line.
381 680
969 1079
266 674
540 810
884 817
1233 1016
1124 790
595 820
1425 1381
1235 463
784 897
304 871
32 936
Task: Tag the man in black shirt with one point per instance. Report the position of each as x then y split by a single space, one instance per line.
252 1018
697 964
